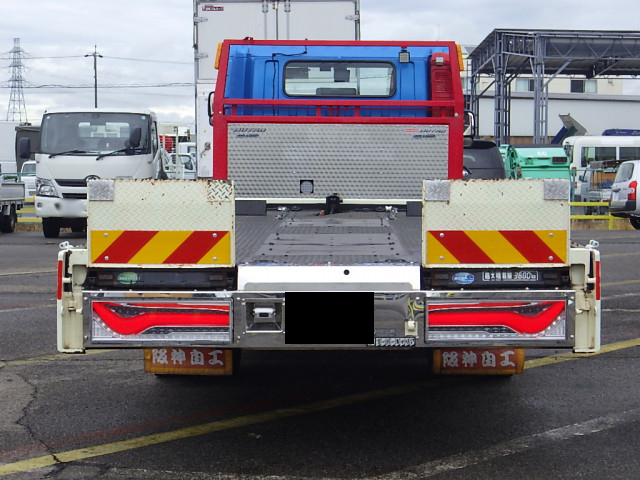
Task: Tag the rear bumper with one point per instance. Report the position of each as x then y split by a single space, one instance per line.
624 210
332 320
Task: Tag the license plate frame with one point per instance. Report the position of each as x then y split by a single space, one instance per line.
393 342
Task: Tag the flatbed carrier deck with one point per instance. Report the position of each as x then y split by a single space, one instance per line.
308 236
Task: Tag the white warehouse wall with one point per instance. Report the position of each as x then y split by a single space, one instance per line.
594 112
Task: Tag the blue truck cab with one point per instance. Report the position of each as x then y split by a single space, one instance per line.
342 105
312 71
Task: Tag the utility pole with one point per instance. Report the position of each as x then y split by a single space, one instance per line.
95 56
17 107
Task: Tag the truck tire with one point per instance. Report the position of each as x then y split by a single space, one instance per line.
635 222
9 222
50 228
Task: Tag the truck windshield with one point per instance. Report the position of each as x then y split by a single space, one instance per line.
339 79
91 133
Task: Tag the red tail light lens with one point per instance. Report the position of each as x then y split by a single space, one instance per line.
633 187
133 322
60 277
441 81
135 318
523 318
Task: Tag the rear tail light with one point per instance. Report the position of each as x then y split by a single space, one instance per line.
155 322
533 320
633 187
441 81
60 280
597 279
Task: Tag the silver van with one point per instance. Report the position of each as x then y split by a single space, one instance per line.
624 193
597 182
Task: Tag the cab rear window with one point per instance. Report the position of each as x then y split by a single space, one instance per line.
339 79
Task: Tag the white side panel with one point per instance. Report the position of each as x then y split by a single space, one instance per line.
585 278
71 275
497 205
237 19
156 222
268 20
204 130
496 223
278 278
167 205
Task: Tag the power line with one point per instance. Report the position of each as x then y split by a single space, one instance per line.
171 62
150 60
58 86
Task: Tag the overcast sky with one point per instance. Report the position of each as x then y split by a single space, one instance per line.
147 54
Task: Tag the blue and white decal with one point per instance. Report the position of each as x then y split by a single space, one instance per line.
463 278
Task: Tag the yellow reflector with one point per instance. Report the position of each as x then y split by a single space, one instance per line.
460 57
218 53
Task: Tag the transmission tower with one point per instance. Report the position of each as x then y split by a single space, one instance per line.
17 109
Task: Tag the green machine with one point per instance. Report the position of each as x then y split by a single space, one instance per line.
536 161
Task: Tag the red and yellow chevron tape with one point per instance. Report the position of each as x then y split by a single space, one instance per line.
496 246
160 247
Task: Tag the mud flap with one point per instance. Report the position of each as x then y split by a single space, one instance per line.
188 361
478 361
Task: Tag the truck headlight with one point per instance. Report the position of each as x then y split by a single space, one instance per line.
45 188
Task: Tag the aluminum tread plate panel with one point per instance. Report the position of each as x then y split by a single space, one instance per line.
173 214
363 161
506 222
497 205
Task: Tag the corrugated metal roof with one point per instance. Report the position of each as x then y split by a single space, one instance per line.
571 52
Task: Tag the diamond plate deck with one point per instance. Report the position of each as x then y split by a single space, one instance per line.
350 238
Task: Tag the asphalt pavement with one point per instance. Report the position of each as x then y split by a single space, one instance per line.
313 415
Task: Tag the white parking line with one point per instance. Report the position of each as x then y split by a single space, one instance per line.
464 460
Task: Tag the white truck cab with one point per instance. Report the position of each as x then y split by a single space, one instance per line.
80 145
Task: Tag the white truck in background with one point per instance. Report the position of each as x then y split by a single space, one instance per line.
11 189
584 149
11 197
8 147
261 20
79 145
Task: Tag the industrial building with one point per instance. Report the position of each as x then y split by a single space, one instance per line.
519 82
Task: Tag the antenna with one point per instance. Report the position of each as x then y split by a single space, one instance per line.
17 109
